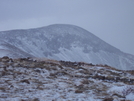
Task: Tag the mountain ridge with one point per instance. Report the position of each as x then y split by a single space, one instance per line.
65 42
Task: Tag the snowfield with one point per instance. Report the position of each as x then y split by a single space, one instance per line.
28 79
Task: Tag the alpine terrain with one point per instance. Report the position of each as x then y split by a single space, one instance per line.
63 42
34 79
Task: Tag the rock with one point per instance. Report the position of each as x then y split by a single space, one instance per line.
78 91
25 81
108 99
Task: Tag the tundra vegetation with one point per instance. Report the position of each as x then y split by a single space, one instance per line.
34 79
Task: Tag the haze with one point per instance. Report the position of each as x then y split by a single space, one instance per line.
111 20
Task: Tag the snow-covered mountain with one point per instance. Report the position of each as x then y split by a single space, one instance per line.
63 42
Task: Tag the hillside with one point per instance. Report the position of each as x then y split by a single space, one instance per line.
34 79
63 42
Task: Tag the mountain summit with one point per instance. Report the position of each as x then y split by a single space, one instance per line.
63 42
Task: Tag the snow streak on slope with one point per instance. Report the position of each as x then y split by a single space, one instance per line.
65 42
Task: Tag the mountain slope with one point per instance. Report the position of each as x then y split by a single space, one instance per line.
65 42
27 79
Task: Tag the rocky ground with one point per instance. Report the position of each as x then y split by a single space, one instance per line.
32 79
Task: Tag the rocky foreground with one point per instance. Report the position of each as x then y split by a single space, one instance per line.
31 79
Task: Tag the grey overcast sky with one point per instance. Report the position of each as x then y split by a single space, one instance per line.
110 20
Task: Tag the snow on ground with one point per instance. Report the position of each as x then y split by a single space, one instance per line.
27 80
